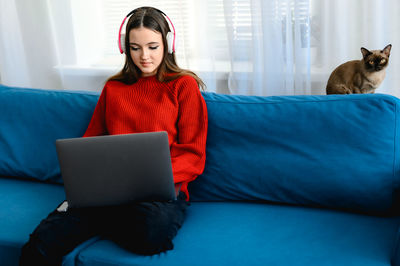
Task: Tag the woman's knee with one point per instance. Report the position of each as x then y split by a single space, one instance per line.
53 238
154 230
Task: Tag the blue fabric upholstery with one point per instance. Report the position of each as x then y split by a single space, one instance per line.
257 147
30 122
326 151
23 204
336 151
262 234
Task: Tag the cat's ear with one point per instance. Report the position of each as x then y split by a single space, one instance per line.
387 49
365 52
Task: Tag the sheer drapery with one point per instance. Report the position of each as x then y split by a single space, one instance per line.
270 54
256 47
27 51
13 65
340 28
242 46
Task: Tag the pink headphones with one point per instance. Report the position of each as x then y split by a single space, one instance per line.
170 35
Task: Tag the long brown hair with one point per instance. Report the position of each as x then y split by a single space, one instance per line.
153 19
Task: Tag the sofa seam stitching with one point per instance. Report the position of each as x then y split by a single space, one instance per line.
70 92
289 102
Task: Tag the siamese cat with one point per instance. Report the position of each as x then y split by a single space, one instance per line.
360 76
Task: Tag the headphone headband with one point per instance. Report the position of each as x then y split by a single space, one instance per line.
170 35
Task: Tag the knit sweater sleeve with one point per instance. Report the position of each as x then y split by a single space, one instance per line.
97 125
188 153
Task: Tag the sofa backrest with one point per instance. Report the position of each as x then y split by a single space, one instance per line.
338 151
30 122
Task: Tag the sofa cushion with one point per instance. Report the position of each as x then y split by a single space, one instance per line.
262 234
23 204
30 122
339 151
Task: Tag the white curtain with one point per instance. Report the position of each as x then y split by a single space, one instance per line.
255 47
27 51
270 54
12 69
340 28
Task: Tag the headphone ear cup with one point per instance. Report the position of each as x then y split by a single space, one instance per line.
170 42
122 42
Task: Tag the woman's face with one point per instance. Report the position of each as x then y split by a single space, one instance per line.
146 49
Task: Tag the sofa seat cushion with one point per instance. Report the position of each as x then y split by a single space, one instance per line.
262 234
23 204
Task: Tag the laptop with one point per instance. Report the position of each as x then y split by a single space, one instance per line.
116 169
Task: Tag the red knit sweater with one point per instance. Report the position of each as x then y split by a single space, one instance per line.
149 105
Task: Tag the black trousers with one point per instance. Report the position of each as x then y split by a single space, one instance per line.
144 228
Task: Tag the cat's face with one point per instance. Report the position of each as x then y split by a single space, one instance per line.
376 60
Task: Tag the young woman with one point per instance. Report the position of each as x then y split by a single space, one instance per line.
151 93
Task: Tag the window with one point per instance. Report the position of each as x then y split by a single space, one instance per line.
203 27
214 37
97 32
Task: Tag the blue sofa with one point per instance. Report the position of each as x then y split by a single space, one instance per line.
294 180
